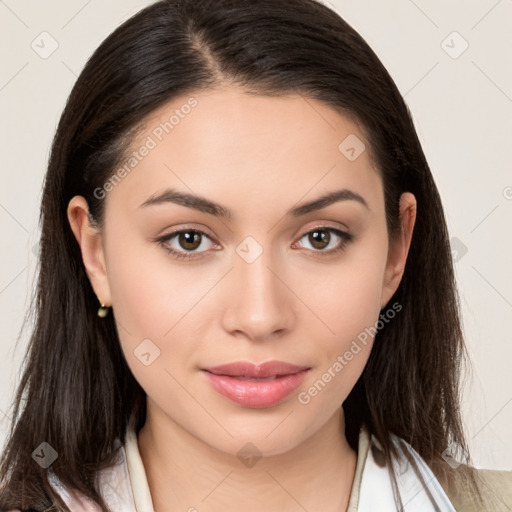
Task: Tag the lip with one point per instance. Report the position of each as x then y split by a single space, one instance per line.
256 386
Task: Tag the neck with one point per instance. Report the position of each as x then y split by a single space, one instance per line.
184 473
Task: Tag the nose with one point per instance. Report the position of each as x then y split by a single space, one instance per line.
258 303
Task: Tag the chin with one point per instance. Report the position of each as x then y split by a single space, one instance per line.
258 441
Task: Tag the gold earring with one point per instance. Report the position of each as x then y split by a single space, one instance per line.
102 310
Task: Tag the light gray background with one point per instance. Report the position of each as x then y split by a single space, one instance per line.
461 104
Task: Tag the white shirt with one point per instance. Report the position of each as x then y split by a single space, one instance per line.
125 488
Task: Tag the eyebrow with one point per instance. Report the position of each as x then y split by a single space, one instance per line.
206 206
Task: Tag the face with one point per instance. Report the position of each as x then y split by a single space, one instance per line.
260 278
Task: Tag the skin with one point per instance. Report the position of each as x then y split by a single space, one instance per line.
258 156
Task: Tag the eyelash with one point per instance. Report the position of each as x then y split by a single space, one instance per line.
192 255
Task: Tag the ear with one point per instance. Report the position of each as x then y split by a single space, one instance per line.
399 248
90 241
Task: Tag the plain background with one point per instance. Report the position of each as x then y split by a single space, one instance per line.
461 101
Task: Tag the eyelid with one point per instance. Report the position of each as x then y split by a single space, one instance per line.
326 226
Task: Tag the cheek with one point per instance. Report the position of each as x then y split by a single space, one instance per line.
346 296
161 308
343 351
150 292
348 304
149 298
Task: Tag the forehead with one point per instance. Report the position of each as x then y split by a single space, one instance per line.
248 149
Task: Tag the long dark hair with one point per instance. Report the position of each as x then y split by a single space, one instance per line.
76 391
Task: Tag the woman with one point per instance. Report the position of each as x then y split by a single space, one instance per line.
246 297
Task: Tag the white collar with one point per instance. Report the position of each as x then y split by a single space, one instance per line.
376 490
125 488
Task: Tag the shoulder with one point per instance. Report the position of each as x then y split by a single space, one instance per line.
495 487
404 480
113 484
496 490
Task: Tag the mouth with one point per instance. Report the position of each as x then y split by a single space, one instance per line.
256 386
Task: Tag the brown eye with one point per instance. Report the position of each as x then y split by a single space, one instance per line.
319 238
185 243
327 240
189 240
